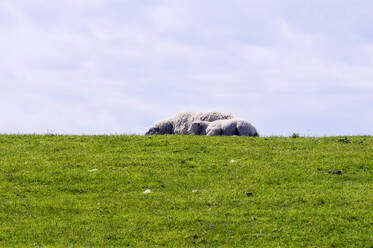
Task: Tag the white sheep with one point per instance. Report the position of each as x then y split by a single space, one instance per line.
180 123
223 127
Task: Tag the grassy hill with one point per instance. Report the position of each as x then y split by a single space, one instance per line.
87 191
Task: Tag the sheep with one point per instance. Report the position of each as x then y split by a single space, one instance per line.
223 127
180 123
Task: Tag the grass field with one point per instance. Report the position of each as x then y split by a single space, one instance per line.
87 191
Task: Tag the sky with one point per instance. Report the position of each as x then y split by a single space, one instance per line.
117 66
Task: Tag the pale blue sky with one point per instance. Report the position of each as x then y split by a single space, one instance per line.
117 66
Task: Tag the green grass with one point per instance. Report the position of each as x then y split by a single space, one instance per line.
279 192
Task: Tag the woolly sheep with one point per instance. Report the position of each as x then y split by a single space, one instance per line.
180 123
223 127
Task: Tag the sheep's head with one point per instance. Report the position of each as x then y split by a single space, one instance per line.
198 127
153 130
161 128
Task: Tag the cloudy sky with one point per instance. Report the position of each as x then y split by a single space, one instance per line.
116 66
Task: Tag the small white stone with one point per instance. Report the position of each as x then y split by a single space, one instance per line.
232 161
93 170
194 190
148 191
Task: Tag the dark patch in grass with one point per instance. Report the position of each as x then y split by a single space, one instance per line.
336 172
344 140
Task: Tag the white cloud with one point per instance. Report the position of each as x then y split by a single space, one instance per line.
169 16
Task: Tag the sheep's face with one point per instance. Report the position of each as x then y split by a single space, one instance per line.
153 130
198 128
195 128
164 128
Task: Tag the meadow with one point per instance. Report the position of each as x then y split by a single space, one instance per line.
88 191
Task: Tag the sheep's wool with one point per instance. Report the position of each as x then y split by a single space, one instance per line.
180 123
223 127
